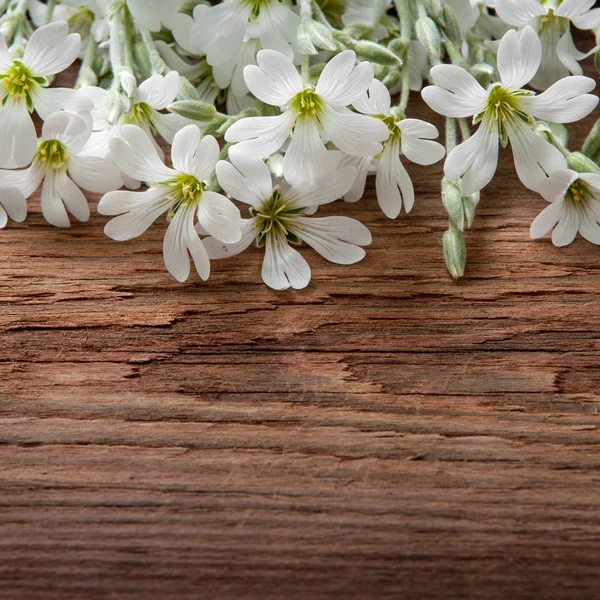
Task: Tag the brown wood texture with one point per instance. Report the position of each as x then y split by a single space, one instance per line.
386 433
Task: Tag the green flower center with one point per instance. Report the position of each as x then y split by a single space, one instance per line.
20 82
52 153
307 103
184 190
391 123
578 192
255 6
139 114
276 217
502 107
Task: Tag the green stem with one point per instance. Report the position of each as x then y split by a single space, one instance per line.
591 146
50 4
159 66
121 49
405 16
450 135
305 69
306 11
87 76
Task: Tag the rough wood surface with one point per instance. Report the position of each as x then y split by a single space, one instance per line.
386 433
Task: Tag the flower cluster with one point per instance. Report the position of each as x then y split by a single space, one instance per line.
237 120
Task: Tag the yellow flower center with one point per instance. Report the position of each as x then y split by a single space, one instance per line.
184 190
52 153
20 82
307 103
578 192
502 107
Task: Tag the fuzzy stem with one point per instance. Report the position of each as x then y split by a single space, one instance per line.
50 4
450 135
121 51
404 14
306 11
159 66
87 76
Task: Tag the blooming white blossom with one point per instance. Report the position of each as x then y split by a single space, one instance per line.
411 136
574 206
280 217
152 96
23 88
310 115
552 20
180 191
232 32
58 162
506 112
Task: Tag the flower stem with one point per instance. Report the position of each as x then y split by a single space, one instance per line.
121 50
404 14
465 132
50 4
450 135
159 66
87 76
591 146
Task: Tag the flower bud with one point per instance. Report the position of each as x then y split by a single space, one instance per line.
376 53
186 90
591 147
581 163
451 26
455 252
193 109
452 199
114 105
483 73
433 7
314 36
391 78
359 30
429 35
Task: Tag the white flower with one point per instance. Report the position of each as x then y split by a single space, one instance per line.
59 164
280 218
575 206
363 12
411 136
152 96
180 191
310 115
220 30
506 112
23 88
552 20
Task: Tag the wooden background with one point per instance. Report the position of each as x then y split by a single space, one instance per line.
386 433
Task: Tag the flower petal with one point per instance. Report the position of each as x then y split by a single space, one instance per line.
246 180
18 138
342 81
519 57
416 142
554 188
566 230
519 12
354 134
220 218
194 154
476 160
159 91
13 203
217 250
50 100
181 237
25 180
136 156
259 137
51 202
98 175
322 191
393 183
51 49
376 100
306 160
566 101
283 267
337 239
546 220
534 157
275 80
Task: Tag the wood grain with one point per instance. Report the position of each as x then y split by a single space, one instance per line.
386 433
